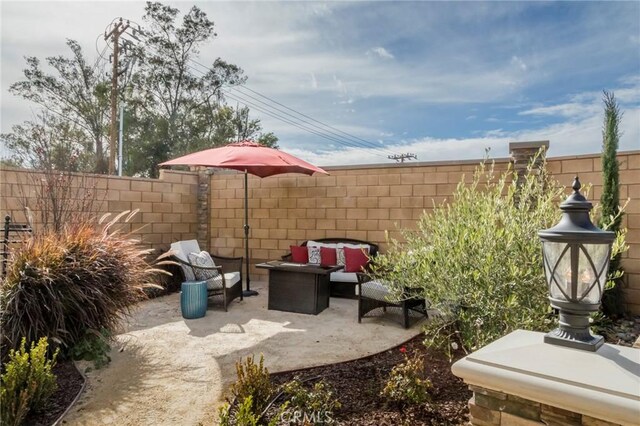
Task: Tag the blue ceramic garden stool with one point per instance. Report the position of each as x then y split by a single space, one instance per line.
193 299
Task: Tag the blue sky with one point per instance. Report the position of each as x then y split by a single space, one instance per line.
444 80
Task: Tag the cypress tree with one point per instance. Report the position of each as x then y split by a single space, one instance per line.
611 217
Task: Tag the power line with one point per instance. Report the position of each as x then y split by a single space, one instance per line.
300 126
353 141
303 124
334 130
100 54
307 123
371 144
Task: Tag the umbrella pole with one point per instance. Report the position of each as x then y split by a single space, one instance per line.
248 291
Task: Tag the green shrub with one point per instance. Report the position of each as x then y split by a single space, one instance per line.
611 217
245 414
254 381
407 383
478 259
93 347
310 406
27 382
62 284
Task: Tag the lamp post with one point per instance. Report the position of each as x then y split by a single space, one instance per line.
576 261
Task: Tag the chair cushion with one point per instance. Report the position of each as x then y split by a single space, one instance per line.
181 249
344 277
327 256
230 277
355 259
375 290
203 259
299 254
340 250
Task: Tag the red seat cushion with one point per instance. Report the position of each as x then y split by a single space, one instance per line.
328 256
299 254
355 259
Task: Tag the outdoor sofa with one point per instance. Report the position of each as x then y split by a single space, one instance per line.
342 284
222 274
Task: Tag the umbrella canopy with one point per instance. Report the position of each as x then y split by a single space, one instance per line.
249 157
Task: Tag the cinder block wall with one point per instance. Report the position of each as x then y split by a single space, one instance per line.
167 205
360 202
363 201
355 201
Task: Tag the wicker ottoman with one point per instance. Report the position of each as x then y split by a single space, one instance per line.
193 299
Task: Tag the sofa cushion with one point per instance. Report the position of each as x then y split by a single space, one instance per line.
299 254
314 255
343 277
340 250
312 243
327 256
355 259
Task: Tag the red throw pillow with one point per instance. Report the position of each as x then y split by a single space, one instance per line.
328 256
299 254
355 259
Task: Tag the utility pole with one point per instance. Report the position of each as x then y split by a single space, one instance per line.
401 157
120 139
115 33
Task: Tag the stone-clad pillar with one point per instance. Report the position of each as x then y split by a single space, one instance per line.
521 380
522 153
203 234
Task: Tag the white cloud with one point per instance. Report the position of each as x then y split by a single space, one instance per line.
568 110
519 63
304 55
381 52
570 138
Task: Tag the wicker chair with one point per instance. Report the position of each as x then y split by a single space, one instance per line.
227 282
373 295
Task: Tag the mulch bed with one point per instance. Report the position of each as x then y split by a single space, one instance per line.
358 383
69 384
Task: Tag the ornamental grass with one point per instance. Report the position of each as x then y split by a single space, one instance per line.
63 284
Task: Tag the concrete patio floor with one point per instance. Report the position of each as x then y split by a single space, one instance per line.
166 370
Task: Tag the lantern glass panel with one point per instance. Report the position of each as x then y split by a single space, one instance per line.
592 275
557 267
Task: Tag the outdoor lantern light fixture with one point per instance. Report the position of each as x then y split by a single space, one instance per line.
576 261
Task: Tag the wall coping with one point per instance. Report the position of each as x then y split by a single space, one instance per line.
594 155
416 164
100 176
359 166
603 384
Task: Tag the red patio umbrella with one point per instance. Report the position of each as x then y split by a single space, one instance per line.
249 157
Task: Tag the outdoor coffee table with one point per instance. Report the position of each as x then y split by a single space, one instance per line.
298 287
